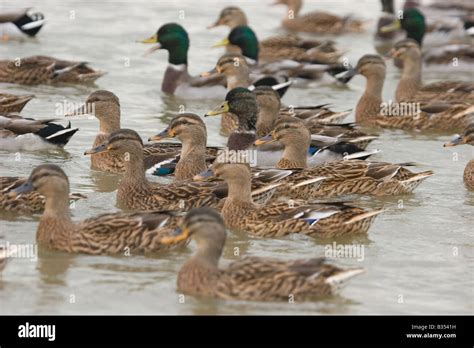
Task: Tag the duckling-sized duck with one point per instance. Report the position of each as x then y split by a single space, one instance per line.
413 23
20 24
410 116
39 70
335 178
191 131
111 233
32 202
137 193
105 106
467 137
177 80
281 218
244 38
20 133
282 46
318 22
250 278
13 103
411 87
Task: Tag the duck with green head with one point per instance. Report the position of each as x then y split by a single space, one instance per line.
177 80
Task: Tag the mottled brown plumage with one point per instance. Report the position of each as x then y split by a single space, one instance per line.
13 103
467 137
37 70
250 278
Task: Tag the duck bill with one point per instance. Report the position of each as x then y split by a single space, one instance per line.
209 73
348 75
99 149
167 133
85 109
178 236
221 109
151 40
390 28
203 175
457 140
22 189
218 23
267 139
223 42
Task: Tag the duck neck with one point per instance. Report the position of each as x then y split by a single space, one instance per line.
178 55
193 158
111 121
240 189
369 103
56 220
410 82
237 80
265 120
294 156
134 170
294 7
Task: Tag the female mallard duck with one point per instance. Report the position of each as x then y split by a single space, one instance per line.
245 39
317 22
282 46
410 86
111 233
105 106
13 103
281 218
38 70
249 278
29 203
467 137
191 131
20 24
137 193
177 81
412 116
335 177
413 23
19 133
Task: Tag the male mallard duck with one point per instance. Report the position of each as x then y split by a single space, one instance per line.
371 111
413 23
191 131
249 278
19 24
245 39
318 21
136 192
384 39
282 46
338 177
20 133
105 106
281 218
177 81
410 86
13 103
111 233
27 203
467 137
39 70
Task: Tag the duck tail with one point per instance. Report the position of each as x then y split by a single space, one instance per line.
341 278
30 24
413 182
57 134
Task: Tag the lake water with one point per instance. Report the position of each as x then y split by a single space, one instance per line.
418 255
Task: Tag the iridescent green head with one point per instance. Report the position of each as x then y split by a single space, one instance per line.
413 22
246 40
173 38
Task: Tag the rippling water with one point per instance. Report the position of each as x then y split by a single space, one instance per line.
418 255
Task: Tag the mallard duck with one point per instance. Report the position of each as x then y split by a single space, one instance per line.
282 46
20 133
13 103
105 106
249 278
20 24
245 39
413 23
137 193
281 218
110 233
177 81
411 116
410 86
32 202
467 137
38 70
318 21
191 131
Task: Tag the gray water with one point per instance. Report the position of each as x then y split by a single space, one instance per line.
418 255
